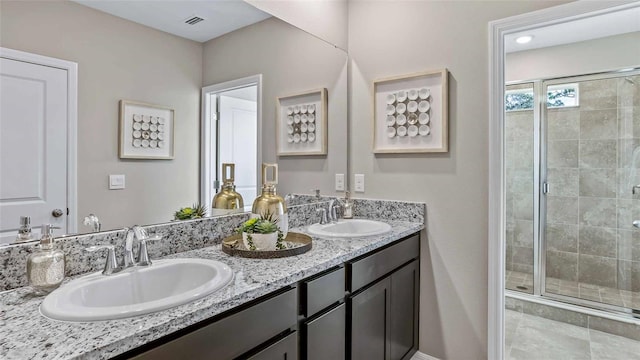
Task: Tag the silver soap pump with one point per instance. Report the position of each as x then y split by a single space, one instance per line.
46 265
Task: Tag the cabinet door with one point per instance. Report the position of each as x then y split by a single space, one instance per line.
370 312
285 349
325 336
403 336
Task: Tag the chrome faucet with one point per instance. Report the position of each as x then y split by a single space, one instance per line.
127 259
111 265
333 207
323 216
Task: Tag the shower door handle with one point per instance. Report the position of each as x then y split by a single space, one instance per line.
636 223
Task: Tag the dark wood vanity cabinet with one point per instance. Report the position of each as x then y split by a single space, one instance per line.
384 311
366 309
264 330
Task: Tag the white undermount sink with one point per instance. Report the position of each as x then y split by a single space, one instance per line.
136 291
350 228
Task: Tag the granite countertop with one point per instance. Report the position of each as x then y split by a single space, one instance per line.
25 334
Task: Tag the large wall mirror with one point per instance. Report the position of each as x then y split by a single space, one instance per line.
161 53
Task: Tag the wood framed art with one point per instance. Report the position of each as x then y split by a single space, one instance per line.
410 113
301 124
146 131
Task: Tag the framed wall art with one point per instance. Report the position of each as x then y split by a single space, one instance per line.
146 131
410 113
301 124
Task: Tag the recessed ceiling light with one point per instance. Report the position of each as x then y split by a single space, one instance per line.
524 39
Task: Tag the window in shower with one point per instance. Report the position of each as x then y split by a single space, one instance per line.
591 161
519 172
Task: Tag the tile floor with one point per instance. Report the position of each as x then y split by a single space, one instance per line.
535 338
524 282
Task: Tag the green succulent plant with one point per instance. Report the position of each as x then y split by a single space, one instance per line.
196 211
265 224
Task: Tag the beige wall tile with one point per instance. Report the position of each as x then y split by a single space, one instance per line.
599 124
563 182
562 237
598 154
562 210
598 212
597 270
562 265
598 241
563 124
562 154
598 183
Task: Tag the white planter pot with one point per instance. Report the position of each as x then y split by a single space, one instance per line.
263 242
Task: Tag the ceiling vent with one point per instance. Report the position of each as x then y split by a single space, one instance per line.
193 20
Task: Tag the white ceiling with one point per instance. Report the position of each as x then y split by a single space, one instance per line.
221 16
596 27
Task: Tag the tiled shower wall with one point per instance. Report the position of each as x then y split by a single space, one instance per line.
591 170
519 127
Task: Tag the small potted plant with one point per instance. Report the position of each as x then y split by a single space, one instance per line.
261 233
194 212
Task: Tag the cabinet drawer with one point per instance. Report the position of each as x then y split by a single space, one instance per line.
370 268
322 291
325 337
233 335
284 349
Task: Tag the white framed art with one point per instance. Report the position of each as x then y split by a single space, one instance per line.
146 131
411 113
301 124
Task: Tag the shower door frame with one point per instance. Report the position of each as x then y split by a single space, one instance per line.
540 199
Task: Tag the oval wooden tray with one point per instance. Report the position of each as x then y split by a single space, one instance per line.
297 243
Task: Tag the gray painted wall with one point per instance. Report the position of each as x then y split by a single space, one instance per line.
118 59
424 35
291 61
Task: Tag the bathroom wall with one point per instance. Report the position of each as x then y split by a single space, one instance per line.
325 19
118 59
291 61
585 57
402 37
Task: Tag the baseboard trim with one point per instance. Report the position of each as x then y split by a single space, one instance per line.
422 356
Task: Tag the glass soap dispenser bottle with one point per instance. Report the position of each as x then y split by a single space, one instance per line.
46 265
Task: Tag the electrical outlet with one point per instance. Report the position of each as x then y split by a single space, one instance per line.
116 182
339 182
359 183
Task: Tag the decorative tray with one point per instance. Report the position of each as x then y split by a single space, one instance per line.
295 243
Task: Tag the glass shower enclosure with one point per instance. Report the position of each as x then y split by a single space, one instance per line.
572 171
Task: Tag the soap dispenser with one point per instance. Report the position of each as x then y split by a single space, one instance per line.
270 203
46 265
228 198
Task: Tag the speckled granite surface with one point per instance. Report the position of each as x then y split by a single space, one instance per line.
177 237
25 334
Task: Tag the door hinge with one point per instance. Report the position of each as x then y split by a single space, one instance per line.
216 185
545 188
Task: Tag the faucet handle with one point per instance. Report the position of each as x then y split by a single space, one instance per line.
143 254
111 265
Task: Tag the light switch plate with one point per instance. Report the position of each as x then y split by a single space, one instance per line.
339 182
116 182
359 183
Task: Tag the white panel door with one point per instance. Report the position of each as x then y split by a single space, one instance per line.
237 143
33 146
